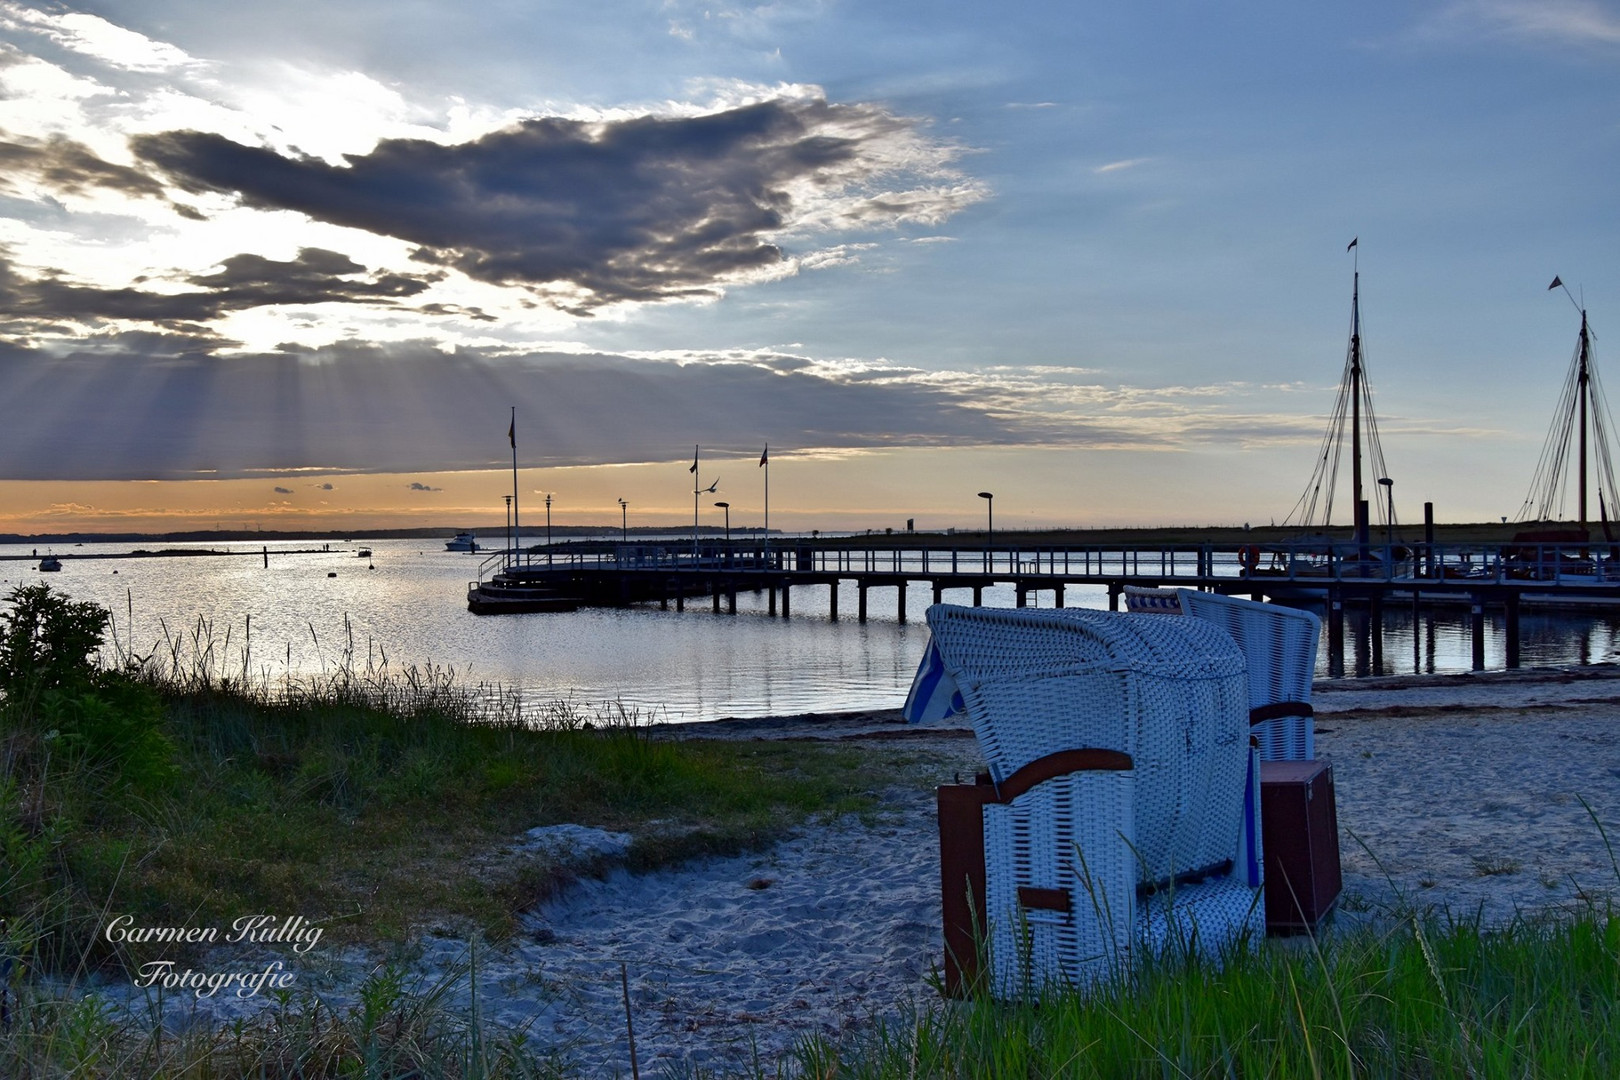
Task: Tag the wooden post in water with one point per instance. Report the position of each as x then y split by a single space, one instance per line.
978 596
939 591
832 599
1512 643
1477 628
1115 590
771 610
1057 597
1335 633
860 587
901 603
267 556
785 611
1375 630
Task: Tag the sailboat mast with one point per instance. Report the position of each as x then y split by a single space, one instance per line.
1355 395
1583 378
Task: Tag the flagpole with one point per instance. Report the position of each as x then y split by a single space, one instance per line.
765 460
517 534
697 486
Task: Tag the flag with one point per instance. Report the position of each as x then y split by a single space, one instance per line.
511 430
765 455
693 469
1353 243
1557 281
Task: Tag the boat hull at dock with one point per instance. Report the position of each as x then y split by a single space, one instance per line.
500 596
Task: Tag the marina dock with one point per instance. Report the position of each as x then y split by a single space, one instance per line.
1497 577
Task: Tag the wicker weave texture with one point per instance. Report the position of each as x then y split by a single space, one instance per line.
1201 919
1067 834
1279 647
1167 690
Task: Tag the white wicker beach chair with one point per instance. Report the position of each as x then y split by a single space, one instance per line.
1126 809
1279 648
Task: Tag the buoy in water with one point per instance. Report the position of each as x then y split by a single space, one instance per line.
331 573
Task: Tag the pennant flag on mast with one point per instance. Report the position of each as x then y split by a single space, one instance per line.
1353 243
765 455
511 430
1557 281
693 469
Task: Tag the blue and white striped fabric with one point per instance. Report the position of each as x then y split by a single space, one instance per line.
934 695
1250 859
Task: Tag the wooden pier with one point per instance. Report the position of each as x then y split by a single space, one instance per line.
1479 577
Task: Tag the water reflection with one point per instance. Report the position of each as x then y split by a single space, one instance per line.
291 620
1440 639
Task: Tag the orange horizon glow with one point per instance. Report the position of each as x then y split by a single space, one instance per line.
936 489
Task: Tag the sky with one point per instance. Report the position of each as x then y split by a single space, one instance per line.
293 265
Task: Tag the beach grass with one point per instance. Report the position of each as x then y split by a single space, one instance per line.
376 804
1438 998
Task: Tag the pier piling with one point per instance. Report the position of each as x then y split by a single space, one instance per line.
1335 634
1512 643
1477 630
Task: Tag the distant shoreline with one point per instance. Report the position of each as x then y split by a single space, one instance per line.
1454 533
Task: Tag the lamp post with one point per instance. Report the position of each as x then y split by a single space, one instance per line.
510 544
1389 521
548 528
727 508
989 524
624 521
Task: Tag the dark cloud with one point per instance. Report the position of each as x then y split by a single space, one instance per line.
316 276
417 485
71 168
414 408
590 212
283 491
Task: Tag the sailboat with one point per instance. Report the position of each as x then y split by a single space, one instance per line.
1579 429
1352 431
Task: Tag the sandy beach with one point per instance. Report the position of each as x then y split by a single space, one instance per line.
1459 794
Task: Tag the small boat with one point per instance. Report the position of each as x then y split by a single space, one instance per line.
505 595
363 553
50 564
464 541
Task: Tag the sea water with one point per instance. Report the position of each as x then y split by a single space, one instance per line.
309 613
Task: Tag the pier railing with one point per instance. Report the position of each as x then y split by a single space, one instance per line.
1302 564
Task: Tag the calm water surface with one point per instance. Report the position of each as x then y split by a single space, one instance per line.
411 609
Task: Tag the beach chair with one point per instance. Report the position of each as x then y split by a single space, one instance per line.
1279 649
1120 814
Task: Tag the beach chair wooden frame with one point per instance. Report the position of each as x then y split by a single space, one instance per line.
1122 809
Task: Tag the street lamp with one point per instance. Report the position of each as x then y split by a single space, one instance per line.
989 522
1389 518
727 508
548 528
624 521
